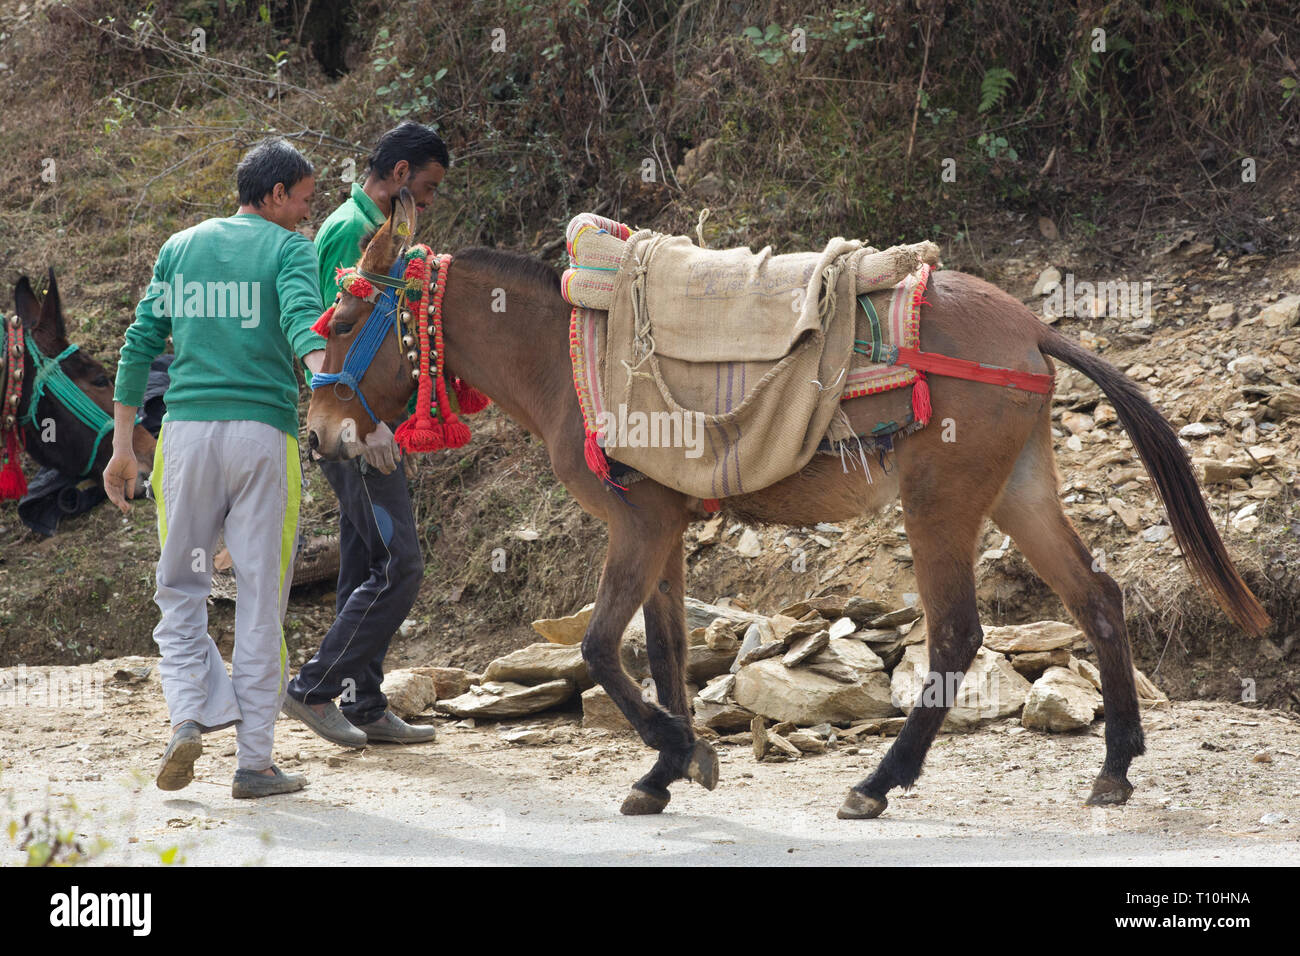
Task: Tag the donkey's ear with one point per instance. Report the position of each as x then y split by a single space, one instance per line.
52 310
404 218
26 303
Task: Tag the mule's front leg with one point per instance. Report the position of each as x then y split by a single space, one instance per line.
670 734
636 554
665 628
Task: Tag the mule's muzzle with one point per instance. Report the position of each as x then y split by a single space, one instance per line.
331 444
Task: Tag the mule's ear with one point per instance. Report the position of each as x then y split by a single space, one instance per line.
26 303
52 310
382 249
404 218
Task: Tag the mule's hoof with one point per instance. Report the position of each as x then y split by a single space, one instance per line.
641 802
703 765
858 806
1107 791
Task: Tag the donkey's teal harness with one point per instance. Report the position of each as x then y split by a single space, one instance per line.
49 373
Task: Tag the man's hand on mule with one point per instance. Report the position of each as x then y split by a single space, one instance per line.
380 449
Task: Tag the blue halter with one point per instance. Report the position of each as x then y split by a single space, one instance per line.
365 346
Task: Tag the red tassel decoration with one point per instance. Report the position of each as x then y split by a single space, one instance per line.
595 456
13 483
420 432
455 433
452 431
322 326
469 398
434 425
410 436
921 409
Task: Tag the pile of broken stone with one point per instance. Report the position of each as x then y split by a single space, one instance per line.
820 671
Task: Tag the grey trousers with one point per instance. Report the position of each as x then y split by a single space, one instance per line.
242 478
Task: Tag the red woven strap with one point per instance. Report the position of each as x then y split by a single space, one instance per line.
962 368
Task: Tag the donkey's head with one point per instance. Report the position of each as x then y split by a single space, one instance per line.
57 434
337 419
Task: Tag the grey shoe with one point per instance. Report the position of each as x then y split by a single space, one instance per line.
331 725
176 769
250 783
391 729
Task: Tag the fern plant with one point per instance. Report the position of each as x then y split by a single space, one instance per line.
994 87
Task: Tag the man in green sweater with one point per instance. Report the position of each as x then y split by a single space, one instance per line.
380 564
238 297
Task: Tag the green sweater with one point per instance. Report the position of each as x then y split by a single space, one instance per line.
338 243
238 297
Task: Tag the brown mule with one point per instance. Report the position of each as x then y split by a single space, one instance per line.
997 461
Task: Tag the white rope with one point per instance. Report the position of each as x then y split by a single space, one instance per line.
822 388
699 225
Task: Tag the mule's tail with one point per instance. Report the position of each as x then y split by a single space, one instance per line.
1170 469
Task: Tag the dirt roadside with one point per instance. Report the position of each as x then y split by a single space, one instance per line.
1220 785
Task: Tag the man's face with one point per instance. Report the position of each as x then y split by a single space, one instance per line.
422 183
287 209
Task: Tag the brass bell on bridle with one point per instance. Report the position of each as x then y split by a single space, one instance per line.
415 374
412 357
406 316
408 340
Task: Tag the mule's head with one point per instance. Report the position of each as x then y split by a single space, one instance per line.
58 438
337 422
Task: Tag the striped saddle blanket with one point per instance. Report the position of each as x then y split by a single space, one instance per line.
720 372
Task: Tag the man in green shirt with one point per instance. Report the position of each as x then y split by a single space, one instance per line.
380 564
238 297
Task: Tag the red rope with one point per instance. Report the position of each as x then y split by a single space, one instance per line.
13 483
421 432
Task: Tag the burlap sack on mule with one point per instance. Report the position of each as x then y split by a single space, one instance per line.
735 360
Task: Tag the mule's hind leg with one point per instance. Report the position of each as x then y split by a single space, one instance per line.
946 492
665 625
1030 512
946 580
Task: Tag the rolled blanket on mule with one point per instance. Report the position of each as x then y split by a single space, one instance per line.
720 372
597 246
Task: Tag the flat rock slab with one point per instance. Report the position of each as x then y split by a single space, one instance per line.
570 629
724 717
539 663
1038 636
904 615
449 681
804 697
504 699
802 648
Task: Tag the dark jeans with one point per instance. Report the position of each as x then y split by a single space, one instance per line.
380 568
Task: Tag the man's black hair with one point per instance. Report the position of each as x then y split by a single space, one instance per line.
418 145
271 161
